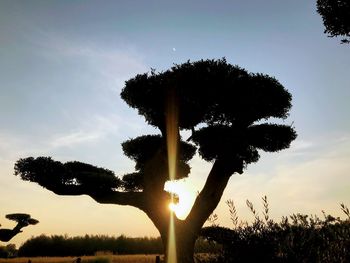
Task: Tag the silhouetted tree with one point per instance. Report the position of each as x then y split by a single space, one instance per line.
223 105
336 17
22 220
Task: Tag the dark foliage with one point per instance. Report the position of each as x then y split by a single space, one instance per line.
218 141
208 91
56 175
336 17
8 251
299 238
143 148
22 220
89 245
225 100
133 181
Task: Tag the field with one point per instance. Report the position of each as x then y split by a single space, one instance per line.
88 259
100 259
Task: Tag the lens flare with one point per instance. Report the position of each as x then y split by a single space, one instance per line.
172 207
172 240
172 134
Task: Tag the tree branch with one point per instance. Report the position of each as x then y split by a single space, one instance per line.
104 197
210 196
135 199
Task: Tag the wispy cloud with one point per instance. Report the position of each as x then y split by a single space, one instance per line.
90 130
13 146
83 98
75 138
300 146
114 64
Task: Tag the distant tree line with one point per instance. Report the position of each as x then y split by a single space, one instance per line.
59 246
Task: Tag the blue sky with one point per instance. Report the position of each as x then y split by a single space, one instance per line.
63 65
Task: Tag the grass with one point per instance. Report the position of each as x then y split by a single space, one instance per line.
87 259
199 257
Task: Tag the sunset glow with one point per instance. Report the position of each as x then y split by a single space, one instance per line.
185 195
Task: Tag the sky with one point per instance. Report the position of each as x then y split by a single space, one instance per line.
64 63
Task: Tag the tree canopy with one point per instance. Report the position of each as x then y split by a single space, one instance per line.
226 99
22 220
336 18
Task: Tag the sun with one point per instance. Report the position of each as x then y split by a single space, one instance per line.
172 207
186 198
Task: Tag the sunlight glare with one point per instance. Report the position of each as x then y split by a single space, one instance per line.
186 197
172 207
172 134
172 241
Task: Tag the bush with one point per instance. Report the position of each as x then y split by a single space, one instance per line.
297 238
8 251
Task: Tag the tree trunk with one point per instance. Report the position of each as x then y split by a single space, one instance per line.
184 243
185 232
185 248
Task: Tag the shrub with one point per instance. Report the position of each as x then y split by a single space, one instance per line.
297 238
8 251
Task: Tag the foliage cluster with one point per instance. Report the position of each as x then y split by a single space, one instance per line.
297 238
221 99
56 175
336 18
